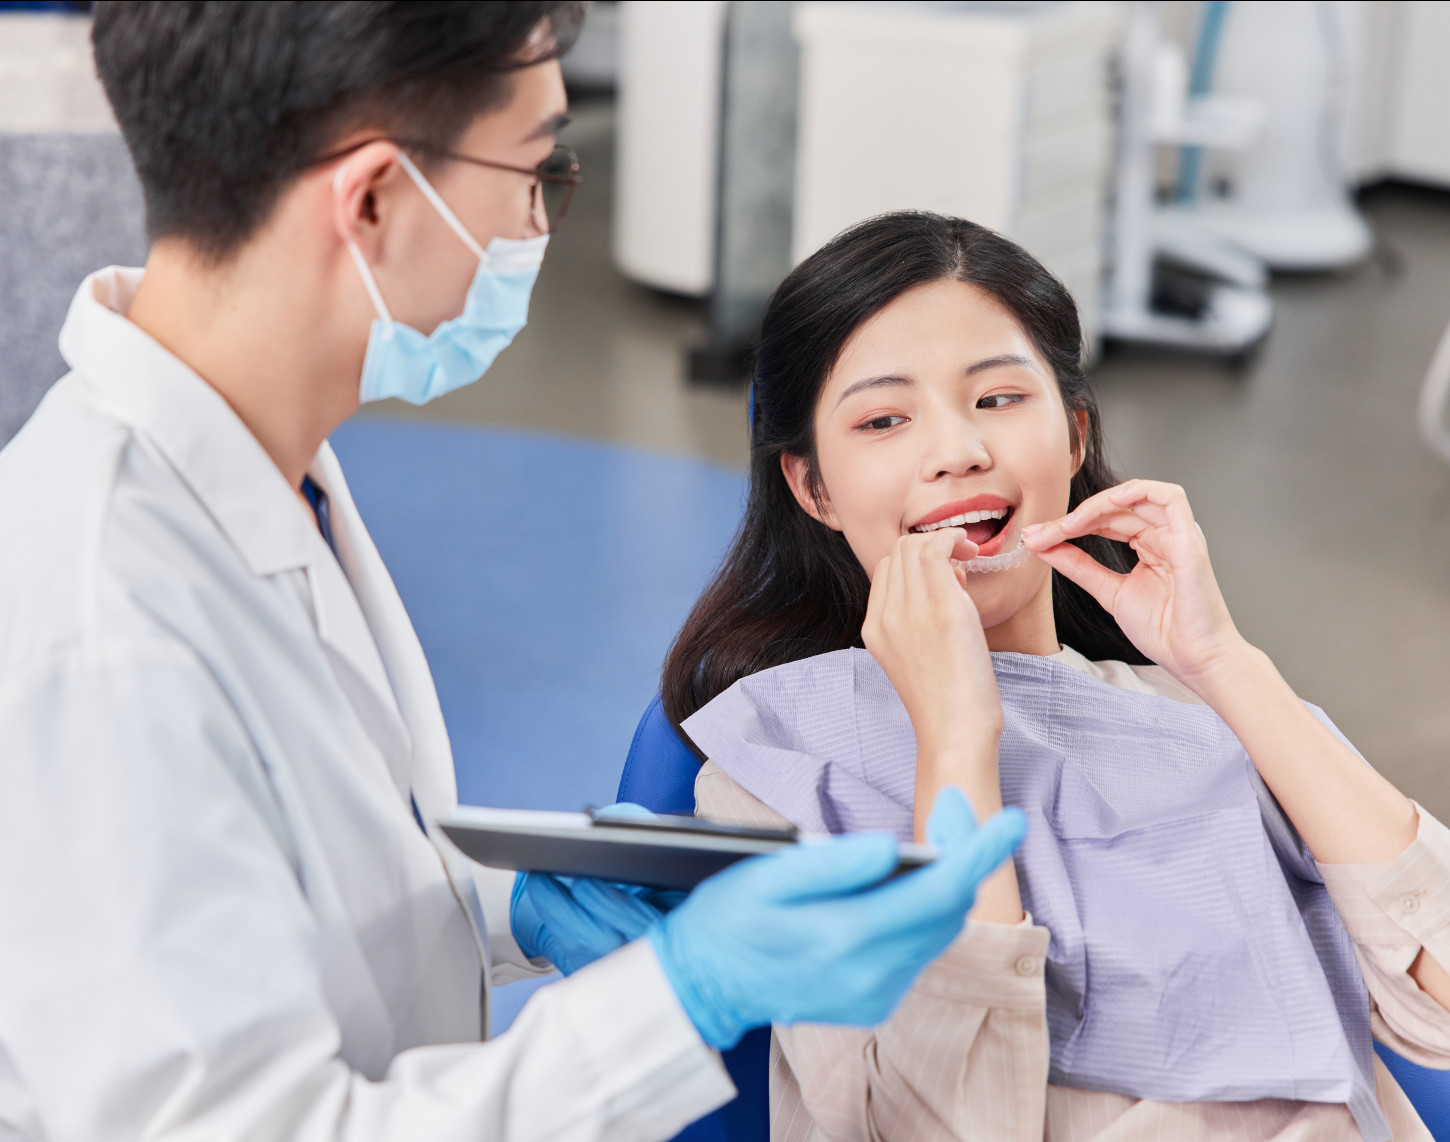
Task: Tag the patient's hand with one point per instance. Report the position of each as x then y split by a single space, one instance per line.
924 630
1169 604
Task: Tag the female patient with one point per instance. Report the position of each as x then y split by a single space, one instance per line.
1218 903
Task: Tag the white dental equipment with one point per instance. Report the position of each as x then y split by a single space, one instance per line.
1435 399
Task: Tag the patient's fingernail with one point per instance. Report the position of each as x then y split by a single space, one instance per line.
1031 530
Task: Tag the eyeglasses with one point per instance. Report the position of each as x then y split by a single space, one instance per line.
554 179
552 187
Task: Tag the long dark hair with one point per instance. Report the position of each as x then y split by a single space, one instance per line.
791 587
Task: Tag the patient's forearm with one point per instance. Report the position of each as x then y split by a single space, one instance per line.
1346 812
972 769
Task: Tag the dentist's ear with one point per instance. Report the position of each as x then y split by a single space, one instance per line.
361 186
797 474
1079 441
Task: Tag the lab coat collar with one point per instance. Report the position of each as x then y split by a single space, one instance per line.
147 387
132 377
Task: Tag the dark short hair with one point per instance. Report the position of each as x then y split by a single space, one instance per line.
223 102
791 587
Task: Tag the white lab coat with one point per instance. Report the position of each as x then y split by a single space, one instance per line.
218 917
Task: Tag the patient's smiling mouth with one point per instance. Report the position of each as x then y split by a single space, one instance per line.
985 519
965 518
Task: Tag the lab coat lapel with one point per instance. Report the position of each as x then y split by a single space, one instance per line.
432 779
397 643
345 633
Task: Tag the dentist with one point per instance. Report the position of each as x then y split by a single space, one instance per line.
224 911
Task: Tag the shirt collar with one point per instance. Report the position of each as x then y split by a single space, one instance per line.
150 389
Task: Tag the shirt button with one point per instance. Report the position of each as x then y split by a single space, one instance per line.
1026 965
1409 904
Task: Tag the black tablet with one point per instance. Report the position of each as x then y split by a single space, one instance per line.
657 852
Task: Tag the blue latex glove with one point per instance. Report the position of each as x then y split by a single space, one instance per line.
571 922
813 934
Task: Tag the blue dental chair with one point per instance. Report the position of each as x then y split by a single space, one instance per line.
660 775
1427 1089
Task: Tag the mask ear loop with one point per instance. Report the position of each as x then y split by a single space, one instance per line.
439 205
363 269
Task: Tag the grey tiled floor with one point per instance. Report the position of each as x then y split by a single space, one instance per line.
1328 522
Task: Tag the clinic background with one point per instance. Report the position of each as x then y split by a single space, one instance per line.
1251 203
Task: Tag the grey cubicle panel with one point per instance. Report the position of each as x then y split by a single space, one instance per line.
69 204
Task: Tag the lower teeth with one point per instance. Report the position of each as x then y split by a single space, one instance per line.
1004 562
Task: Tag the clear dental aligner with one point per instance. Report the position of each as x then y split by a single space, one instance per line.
1004 562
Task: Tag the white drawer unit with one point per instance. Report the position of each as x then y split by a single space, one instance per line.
1000 114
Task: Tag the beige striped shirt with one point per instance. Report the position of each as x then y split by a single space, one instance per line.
965 1056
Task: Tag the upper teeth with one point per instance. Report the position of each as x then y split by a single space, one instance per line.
964 518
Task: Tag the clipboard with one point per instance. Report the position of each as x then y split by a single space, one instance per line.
654 852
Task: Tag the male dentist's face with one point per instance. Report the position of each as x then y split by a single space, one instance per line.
426 278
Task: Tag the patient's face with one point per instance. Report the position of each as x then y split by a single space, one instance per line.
938 406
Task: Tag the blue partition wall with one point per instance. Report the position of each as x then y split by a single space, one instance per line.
546 578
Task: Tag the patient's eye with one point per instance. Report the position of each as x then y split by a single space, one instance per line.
1000 400
882 423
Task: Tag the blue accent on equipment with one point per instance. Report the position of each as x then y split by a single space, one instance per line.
660 775
1200 82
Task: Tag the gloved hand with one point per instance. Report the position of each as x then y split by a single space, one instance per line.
571 922
816 934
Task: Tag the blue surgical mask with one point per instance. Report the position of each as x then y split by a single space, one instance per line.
403 363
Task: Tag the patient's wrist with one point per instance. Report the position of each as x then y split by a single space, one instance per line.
970 766
1229 672
960 733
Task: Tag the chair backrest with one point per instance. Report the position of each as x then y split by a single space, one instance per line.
660 775
1427 1089
660 771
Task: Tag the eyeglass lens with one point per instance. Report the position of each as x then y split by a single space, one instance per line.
555 196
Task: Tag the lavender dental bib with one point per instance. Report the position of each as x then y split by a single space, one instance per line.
1195 955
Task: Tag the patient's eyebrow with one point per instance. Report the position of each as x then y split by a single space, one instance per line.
996 363
892 380
888 381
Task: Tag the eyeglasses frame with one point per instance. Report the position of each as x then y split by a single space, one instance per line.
538 174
